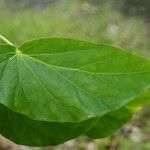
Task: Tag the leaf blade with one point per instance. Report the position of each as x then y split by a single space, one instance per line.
84 91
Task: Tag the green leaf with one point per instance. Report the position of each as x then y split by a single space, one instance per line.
62 80
25 131
53 90
109 123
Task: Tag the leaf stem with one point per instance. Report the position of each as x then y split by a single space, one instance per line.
5 40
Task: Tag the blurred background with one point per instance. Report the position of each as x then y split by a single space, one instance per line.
122 23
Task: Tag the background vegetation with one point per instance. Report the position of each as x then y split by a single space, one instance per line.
122 23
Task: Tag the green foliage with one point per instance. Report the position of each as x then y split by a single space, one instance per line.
53 90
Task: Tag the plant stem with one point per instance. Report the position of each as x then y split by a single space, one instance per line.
5 40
